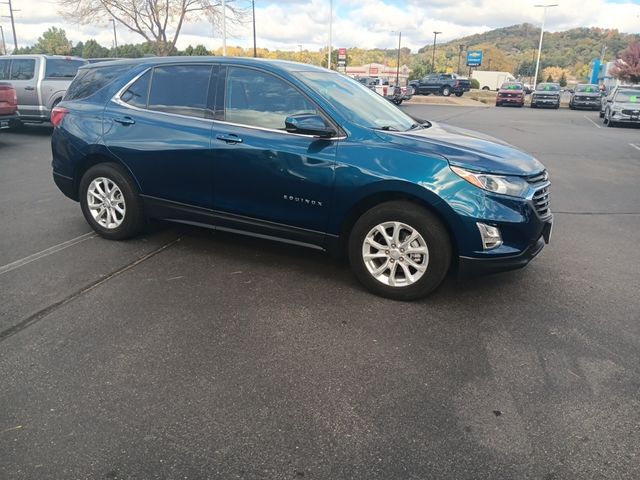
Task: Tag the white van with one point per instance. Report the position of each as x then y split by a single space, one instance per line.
489 80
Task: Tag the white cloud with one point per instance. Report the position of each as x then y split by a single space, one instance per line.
363 23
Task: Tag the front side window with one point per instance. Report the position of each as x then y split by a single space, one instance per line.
5 66
138 92
180 89
62 68
23 69
259 99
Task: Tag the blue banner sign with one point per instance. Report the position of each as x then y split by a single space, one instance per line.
474 58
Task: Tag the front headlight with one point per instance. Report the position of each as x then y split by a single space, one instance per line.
503 184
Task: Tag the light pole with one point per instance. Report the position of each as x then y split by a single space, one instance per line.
461 48
433 58
224 28
544 16
4 45
115 38
330 33
253 9
13 25
398 65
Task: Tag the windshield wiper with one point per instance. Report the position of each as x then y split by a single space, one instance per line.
389 128
424 124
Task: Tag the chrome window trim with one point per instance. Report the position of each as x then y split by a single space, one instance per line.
118 100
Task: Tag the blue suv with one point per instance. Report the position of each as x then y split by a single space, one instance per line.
300 154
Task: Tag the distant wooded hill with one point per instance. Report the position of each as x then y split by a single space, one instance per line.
514 49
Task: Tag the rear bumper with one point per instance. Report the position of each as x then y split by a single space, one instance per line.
66 185
5 120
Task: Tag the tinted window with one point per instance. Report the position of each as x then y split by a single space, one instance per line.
22 69
511 86
62 68
4 69
180 89
262 100
138 92
588 88
89 81
548 87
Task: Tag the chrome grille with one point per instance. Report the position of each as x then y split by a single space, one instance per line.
541 201
630 112
538 177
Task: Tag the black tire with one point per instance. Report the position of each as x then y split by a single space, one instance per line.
446 91
133 221
421 220
601 114
486 88
557 107
533 105
498 104
459 94
16 124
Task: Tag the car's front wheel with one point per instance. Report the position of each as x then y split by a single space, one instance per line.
400 250
110 202
446 91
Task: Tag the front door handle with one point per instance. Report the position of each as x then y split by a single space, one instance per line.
229 138
29 88
124 120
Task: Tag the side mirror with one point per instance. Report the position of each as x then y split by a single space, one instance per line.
308 124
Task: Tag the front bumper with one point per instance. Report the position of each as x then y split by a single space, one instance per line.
469 267
545 102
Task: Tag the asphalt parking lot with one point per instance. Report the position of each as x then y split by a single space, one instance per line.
191 354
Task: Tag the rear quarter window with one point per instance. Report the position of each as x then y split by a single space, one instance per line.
5 67
89 81
62 67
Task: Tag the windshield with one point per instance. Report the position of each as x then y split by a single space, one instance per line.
588 88
548 87
359 104
511 86
630 96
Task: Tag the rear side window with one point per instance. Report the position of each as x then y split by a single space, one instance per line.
89 81
261 100
62 68
180 89
22 68
138 93
5 66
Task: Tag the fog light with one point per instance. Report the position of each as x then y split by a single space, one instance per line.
491 237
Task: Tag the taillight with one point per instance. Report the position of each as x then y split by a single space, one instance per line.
57 115
457 83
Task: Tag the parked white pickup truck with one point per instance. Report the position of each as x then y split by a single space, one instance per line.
392 93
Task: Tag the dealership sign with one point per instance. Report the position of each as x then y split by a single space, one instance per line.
342 57
474 58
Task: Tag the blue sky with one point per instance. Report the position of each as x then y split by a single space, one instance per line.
285 24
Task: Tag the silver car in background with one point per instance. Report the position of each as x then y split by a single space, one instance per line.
622 106
40 82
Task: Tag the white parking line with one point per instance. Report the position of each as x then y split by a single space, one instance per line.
594 123
51 250
637 147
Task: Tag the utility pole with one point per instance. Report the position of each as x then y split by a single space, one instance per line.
398 66
13 25
330 33
544 17
115 38
461 47
4 45
224 29
433 58
253 9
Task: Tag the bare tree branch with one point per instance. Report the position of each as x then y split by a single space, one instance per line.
154 20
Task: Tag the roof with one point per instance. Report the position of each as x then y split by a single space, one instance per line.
246 61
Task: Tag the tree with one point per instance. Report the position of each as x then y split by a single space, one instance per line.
159 22
549 79
563 80
628 66
76 51
93 49
54 41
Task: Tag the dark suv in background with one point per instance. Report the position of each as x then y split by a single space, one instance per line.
546 95
585 95
441 83
299 154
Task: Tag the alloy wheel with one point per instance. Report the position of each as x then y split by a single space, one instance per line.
106 203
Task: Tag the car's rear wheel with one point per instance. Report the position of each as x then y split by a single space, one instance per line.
459 94
110 202
400 250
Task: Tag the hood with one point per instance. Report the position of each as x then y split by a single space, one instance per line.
467 149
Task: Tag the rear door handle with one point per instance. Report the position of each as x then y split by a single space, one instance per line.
229 138
124 120
29 88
